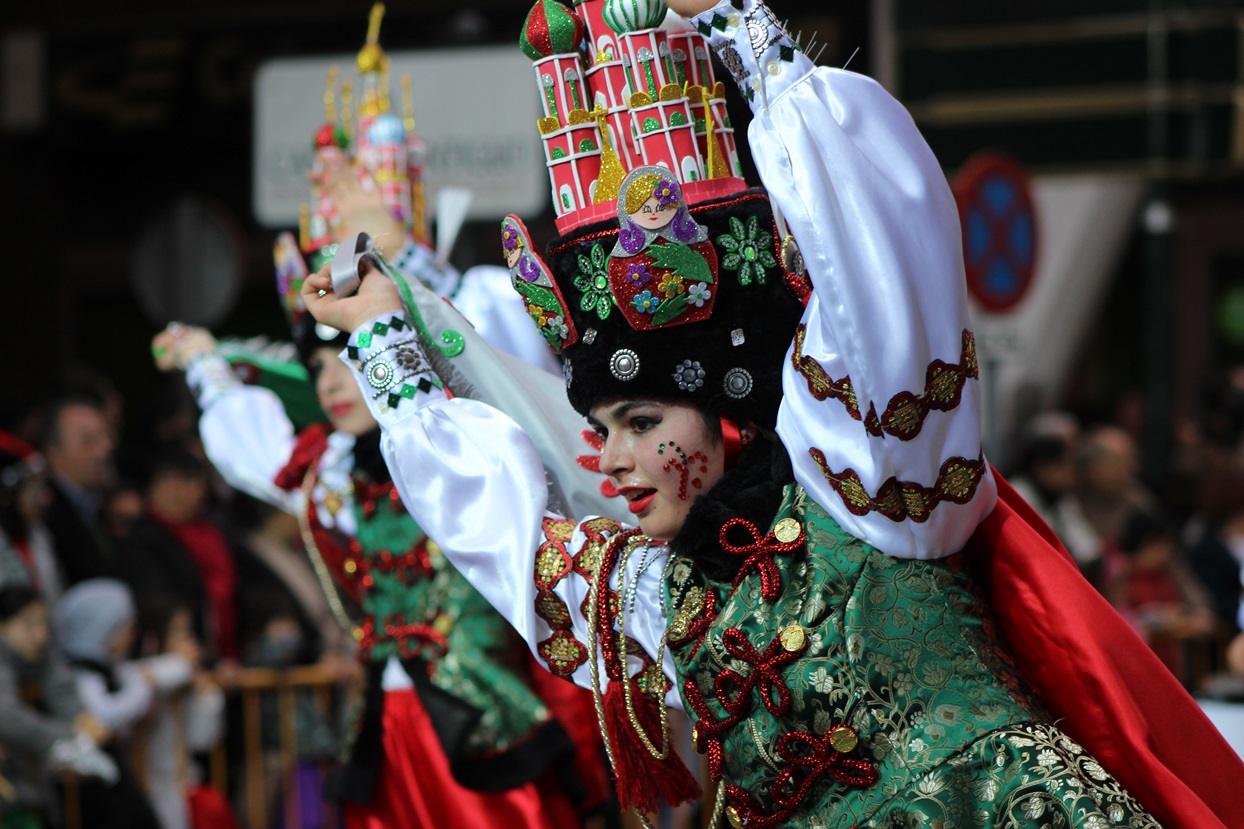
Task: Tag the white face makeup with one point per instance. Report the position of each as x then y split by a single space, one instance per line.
660 456
339 394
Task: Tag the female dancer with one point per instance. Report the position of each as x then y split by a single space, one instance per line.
452 732
864 625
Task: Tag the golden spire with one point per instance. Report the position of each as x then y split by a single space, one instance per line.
717 167
408 105
347 117
330 100
611 169
371 56
304 227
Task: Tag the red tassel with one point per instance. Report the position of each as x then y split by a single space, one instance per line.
642 780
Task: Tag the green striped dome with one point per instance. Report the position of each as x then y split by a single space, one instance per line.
632 15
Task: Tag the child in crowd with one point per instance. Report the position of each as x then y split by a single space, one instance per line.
94 624
186 718
43 728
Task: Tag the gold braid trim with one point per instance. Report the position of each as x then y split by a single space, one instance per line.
897 500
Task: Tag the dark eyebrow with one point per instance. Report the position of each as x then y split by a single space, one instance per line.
623 409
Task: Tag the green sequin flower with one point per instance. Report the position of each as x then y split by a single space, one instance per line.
593 281
749 251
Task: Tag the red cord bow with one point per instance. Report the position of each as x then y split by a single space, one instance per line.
760 553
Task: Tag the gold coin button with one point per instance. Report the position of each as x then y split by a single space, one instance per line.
843 739
358 634
351 566
787 530
793 637
732 815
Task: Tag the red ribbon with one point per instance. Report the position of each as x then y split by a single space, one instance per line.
733 441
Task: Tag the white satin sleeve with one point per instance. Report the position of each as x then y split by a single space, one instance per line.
882 404
472 479
245 431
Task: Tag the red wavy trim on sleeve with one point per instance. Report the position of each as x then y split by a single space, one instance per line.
1104 685
311 444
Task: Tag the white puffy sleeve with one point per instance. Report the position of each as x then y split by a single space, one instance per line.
246 433
473 480
882 404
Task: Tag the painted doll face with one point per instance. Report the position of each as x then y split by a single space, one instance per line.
653 215
339 394
660 456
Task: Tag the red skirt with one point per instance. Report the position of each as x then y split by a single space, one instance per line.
416 789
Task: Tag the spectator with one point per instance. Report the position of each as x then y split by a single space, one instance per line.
26 552
1109 490
1046 478
1215 542
78 444
175 550
44 727
94 623
186 717
123 506
1152 588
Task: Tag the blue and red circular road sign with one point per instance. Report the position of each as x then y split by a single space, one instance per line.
999 230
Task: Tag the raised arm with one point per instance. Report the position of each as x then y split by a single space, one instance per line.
474 481
246 433
882 403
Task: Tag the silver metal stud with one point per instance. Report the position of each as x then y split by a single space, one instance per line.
624 364
737 383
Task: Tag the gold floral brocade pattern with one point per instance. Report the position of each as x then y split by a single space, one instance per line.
957 481
905 414
562 651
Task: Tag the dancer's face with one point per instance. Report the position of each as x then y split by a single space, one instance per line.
660 456
339 394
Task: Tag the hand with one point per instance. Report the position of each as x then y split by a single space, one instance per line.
175 346
360 207
376 297
689 8
92 728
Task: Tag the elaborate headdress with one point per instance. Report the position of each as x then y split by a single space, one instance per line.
668 279
384 150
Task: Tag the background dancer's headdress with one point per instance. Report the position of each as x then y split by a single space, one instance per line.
384 150
670 278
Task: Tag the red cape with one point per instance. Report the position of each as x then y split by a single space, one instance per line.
1104 686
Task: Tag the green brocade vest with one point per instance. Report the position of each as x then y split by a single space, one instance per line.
865 690
416 606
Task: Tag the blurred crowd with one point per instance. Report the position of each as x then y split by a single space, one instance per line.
1167 556
134 584
134 589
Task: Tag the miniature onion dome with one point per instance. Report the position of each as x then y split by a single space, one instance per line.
633 15
387 128
331 135
551 29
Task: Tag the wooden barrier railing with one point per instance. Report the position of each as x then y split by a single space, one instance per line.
327 688
252 684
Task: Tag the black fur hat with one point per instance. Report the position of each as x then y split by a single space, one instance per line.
700 308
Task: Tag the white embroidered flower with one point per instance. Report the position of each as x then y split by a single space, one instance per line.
698 294
1095 771
931 785
815 644
1115 813
1020 742
682 571
822 682
1034 807
1046 757
986 790
917 745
